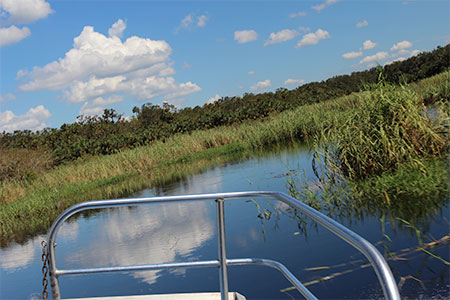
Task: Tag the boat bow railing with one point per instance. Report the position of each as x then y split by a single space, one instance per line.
377 261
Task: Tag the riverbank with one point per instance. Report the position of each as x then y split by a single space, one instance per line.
29 207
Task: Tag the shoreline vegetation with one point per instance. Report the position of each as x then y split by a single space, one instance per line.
28 207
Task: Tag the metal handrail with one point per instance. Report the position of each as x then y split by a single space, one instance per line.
377 261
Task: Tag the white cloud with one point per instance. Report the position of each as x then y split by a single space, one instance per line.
11 35
33 119
201 20
323 5
24 11
251 72
179 90
245 36
20 12
294 81
97 105
374 58
415 52
281 36
7 97
297 14
363 23
192 21
313 38
260 85
117 29
304 29
351 55
99 66
213 99
403 54
401 58
367 45
187 21
186 65
401 45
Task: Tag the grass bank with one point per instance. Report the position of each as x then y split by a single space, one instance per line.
28 207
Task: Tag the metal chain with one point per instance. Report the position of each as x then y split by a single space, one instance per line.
44 269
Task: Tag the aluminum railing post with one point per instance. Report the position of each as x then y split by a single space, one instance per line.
54 282
223 274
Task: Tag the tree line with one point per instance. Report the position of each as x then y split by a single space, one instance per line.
111 132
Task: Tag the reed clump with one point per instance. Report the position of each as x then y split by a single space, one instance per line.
390 128
388 153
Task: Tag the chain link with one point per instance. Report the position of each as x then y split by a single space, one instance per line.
44 269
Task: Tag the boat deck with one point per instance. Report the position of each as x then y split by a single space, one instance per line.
181 296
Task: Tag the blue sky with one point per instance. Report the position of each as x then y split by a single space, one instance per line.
63 58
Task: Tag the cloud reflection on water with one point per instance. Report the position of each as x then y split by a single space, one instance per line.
17 256
155 233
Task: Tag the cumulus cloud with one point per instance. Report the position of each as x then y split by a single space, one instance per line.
327 3
401 45
351 55
297 14
24 11
261 85
11 35
403 54
281 36
294 81
363 23
245 36
374 58
415 52
186 65
20 12
367 45
117 29
213 99
99 66
192 21
33 119
97 105
201 20
187 21
313 38
401 58
304 29
7 97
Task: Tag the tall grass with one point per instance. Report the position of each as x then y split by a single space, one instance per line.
389 154
28 207
390 128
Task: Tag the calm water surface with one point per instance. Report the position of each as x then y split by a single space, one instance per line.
175 232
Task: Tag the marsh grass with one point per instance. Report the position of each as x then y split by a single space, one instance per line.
391 128
389 155
23 164
28 207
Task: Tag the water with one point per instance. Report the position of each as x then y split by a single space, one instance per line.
175 232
